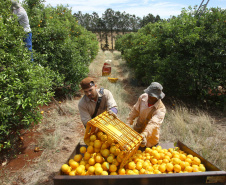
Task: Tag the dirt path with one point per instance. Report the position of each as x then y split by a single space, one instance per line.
56 136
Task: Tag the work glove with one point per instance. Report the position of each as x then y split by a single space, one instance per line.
144 141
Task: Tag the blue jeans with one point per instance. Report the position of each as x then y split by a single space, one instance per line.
28 43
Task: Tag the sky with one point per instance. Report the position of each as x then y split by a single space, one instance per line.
164 8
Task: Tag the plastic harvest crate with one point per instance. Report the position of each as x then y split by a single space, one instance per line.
110 124
112 80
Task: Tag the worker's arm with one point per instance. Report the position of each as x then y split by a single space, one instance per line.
111 103
134 112
84 114
153 125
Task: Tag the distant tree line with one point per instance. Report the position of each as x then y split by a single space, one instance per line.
113 21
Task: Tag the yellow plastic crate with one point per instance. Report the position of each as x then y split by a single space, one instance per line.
128 139
112 80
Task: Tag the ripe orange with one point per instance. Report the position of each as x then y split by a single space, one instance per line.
196 161
90 149
99 134
72 173
145 165
99 159
65 168
139 165
97 144
82 149
131 165
70 161
78 157
110 159
93 138
91 161
74 164
188 169
113 168
150 168
104 173
162 168
98 170
91 170
105 166
177 168
79 170
105 145
104 138
105 152
87 155
169 167
190 156
121 171
202 168
154 161
113 173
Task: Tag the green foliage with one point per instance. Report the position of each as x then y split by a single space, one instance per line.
23 84
62 44
62 51
186 54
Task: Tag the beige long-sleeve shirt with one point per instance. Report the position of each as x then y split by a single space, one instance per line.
87 107
141 110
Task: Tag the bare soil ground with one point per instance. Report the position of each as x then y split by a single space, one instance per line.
40 166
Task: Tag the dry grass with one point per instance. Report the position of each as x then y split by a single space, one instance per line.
198 131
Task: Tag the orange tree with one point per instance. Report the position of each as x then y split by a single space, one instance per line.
24 85
186 54
61 44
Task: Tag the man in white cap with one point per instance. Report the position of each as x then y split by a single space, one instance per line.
23 20
150 112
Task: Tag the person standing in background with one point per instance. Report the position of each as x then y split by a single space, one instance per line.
23 20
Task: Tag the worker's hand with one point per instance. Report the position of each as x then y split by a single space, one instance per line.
130 122
112 113
144 141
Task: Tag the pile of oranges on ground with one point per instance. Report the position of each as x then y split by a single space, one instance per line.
103 156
